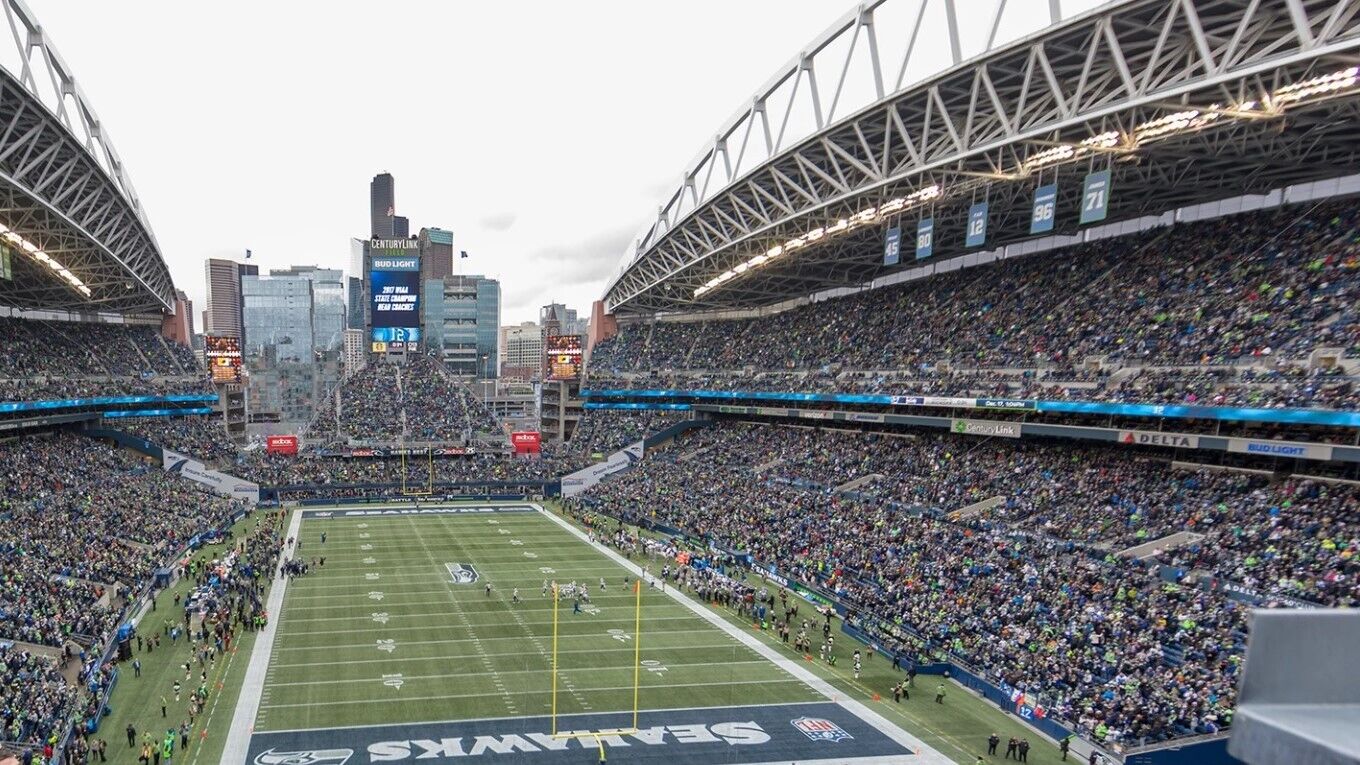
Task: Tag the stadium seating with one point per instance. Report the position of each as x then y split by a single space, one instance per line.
1030 592
203 438
1267 387
53 349
82 527
413 402
1243 290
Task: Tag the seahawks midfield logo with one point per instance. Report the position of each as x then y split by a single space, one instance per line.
817 729
307 757
461 573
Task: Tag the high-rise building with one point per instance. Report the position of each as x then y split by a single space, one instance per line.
278 317
521 349
436 253
223 313
382 205
462 323
356 297
356 350
401 227
328 304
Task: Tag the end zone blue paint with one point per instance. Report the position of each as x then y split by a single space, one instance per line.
374 512
776 733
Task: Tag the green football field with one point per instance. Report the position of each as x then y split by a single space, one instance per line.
382 633
393 649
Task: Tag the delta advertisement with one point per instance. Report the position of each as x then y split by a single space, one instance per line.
575 483
226 485
394 287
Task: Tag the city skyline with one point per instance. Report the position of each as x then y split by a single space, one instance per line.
287 175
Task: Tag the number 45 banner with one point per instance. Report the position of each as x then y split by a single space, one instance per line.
1095 196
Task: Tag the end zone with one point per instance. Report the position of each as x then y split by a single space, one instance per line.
816 732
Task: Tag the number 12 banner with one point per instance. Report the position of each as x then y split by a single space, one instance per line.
1095 196
977 225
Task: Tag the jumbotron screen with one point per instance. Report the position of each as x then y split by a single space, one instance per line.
394 283
224 358
564 357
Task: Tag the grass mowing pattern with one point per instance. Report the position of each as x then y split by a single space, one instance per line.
381 634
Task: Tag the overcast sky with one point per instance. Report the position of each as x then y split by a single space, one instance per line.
543 134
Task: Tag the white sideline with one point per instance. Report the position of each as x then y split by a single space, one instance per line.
248 703
925 755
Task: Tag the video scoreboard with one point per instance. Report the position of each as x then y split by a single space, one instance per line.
564 357
224 358
394 289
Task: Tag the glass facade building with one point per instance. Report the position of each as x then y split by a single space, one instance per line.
462 323
278 313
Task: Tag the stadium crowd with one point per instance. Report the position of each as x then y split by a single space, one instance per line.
82 527
1251 287
1031 592
416 401
1265 387
31 348
201 437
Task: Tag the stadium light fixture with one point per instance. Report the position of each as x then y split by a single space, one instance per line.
1316 86
33 251
860 219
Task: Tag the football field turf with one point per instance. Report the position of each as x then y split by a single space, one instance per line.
394 650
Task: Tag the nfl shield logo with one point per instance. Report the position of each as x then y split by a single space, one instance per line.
817 729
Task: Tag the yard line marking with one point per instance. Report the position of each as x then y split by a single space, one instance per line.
248 703
609 689
458 609
470 626
584 636
497 675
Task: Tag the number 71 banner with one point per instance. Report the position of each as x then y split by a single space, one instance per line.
1095 196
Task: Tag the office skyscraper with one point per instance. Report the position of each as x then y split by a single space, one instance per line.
382 206
436 253
401 227
222 316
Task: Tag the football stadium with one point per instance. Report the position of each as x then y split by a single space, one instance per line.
986 388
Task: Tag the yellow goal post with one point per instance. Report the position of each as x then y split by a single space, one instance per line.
637 671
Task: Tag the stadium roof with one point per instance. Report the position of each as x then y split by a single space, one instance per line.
1184 101
78 237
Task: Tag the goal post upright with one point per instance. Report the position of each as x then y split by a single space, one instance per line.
554 662
555 666
637 649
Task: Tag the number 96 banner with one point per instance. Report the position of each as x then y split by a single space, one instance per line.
1045 204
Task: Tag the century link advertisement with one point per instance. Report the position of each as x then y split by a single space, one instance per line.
394 284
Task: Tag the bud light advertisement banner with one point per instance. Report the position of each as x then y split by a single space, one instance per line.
395 290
